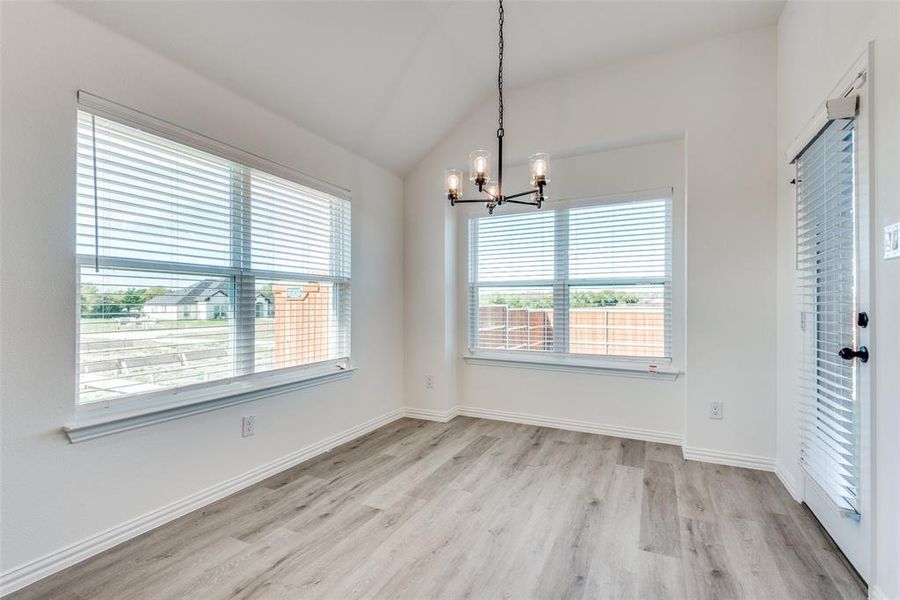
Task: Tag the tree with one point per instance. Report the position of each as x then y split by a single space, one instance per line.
579 299
88 298
133 300
592 298
151 293
521 300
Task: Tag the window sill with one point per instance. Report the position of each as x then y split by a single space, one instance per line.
107 419
621 368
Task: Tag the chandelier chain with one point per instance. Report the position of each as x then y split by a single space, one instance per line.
500 131
480 160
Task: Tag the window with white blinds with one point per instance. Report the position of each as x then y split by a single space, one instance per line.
591 280
826 266
196 270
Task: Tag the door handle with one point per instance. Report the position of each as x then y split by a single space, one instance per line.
849 354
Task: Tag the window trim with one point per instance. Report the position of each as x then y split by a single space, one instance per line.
105 417
99 419
576 363
643 367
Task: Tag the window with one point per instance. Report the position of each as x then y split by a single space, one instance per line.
196 270
583 281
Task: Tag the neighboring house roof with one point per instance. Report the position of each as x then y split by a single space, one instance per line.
199 292
263 298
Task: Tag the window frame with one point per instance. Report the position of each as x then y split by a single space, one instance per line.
244 384
559 359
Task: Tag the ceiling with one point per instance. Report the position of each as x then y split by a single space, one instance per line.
386 79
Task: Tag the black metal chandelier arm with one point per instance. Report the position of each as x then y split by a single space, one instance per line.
520 194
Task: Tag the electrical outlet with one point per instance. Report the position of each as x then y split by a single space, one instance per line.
429 382
248 426
715 410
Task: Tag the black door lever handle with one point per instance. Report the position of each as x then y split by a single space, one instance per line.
849 354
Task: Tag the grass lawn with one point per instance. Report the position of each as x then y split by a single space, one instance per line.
106 325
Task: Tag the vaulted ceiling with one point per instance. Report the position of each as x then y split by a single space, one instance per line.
388 79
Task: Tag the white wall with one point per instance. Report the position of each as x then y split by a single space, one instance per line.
817 43
640 405
54 493
720 97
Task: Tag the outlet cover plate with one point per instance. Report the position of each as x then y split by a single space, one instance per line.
248 426
716 409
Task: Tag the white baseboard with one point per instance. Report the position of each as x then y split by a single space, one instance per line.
427 414
647 435
28 573
788 481
733 459
875 593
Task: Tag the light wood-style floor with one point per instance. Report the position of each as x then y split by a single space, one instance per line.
481 509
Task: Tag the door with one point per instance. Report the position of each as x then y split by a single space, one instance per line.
833 269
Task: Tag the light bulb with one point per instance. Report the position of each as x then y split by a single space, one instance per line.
479 166
453 178
540 168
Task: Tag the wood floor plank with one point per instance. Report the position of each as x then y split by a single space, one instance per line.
572 544
797 562
666 453
304 546
750 558
335 573
660 528
707 570
614 569
692 491
631 453
440 478
477 509
375 442
659 576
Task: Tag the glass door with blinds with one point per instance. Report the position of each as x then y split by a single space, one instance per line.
833 283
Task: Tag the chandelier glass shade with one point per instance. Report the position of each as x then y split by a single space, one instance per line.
480 163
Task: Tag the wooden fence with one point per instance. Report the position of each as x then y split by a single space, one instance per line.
627 330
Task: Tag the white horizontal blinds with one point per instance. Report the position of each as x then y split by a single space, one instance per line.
826 250
298 230
512 298
196 269
156 200
516 248
300 255
592 280
620 257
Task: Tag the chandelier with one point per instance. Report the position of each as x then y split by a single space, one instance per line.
480 164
